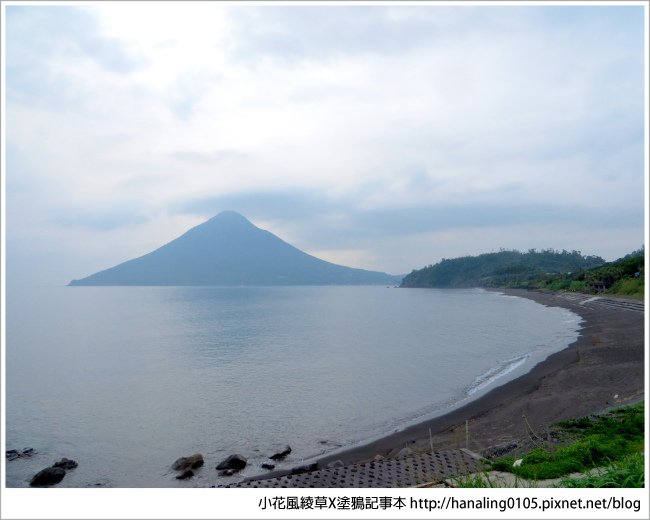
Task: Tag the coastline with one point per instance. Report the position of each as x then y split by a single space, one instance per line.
603 368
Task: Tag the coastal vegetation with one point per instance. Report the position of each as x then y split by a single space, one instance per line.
629 472
607 449
624 277
506 268
542 270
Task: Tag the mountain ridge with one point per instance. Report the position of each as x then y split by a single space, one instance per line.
229 250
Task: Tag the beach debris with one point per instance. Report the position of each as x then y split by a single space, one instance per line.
268 466
65 463
15 454
227 472
185 475
47 477
235 462
185 463
335 464
517 463
282 454
304 469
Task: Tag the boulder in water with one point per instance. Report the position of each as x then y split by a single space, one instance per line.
47 477
281 454
15 454
192 462
12 454
236 462
65 464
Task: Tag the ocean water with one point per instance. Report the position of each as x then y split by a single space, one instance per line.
125 380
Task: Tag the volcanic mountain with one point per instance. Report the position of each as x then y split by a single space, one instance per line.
229 250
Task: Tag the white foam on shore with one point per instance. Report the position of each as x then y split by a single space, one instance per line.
495 373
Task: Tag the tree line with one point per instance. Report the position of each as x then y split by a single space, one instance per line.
548 269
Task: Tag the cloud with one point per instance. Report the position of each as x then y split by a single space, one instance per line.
42 40
187 90
217 156
98 220
336 221
307 33
383 132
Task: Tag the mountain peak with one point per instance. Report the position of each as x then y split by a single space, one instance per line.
230 215
230 218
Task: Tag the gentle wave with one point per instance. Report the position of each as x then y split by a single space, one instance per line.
496 373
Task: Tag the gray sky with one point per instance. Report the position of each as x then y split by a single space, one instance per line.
381 137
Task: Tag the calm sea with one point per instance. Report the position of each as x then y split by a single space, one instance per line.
125 380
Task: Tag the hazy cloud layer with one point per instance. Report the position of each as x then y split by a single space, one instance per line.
384 137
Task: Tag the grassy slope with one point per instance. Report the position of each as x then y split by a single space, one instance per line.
614 441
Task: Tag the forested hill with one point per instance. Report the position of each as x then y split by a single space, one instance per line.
505 268
625 277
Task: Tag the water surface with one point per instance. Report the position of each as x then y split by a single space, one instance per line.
127 379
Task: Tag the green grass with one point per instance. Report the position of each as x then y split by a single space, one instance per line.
627 422
626 473
476 480
596 442
485 480
633 287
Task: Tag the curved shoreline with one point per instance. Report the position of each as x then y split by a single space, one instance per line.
602 368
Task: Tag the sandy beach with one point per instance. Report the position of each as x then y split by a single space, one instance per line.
602 368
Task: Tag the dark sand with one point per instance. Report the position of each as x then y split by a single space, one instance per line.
602 368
